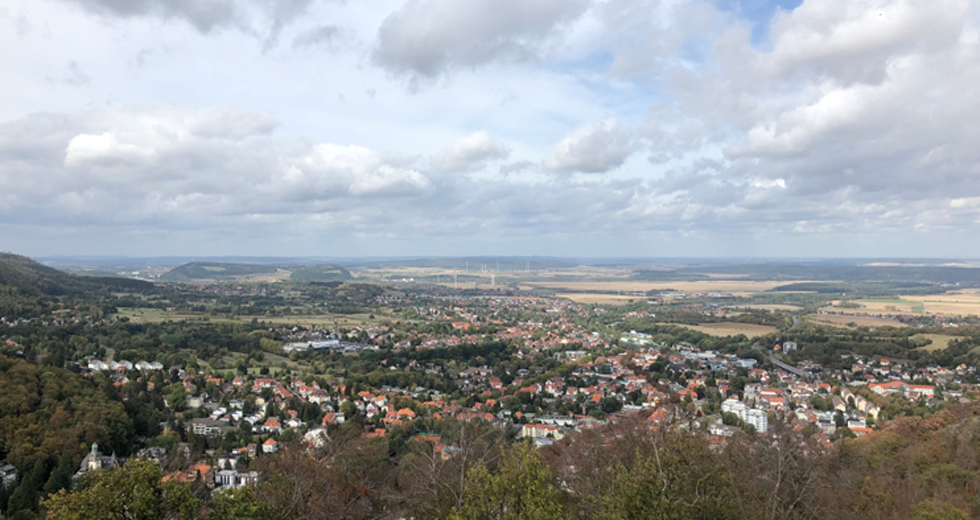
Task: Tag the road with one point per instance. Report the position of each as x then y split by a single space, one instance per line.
789 368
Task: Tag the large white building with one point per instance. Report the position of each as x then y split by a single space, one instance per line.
759 419
734 406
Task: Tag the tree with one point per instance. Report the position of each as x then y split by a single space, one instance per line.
61 476
238 504
521 489
670 484
133 492
178 398
24 498
610 404
929 510
434 484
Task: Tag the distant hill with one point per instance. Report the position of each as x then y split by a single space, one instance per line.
27 275
220 271
320 273
195 271
474 263
829 271
32 277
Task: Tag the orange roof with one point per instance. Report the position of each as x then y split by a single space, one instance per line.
203 468
889 384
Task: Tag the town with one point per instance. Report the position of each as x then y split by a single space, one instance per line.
530 365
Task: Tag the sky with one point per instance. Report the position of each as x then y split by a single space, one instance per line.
584 128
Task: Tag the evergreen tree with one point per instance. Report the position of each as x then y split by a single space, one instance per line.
61 476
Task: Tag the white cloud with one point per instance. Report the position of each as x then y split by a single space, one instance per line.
104 150
773 183
851 120
324 35
204 15
855 40
231 124
471 153
330 170
964 203
593 149
266 18
428 37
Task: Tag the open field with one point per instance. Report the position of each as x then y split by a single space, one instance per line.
767 307
278 276
960 303
227 366
150 315
883 306
738 287
732 329
585 272
837 320
939 341
604 299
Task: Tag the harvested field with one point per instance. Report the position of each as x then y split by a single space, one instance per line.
961 303
740 287
837 320
768 307
939 341
603 299
733 329
882 306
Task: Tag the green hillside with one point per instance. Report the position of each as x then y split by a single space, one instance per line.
320 273
30 277
194 271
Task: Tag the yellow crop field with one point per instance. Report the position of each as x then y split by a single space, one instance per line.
893 307
603 299
960 303
837 320
732 329
703 286
768 307
939 341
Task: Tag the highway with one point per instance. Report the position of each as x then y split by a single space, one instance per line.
789 368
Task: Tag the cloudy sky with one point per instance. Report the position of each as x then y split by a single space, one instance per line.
508 127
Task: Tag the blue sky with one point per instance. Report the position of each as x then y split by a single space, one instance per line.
508 127
758 13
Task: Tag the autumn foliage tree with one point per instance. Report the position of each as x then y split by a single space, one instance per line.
521 488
